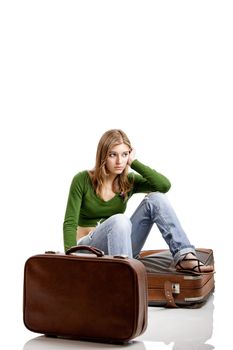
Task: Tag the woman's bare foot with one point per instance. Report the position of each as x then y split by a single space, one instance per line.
190 263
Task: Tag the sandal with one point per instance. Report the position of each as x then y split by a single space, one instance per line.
196 270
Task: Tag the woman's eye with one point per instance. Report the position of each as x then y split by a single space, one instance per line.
112 155
125 154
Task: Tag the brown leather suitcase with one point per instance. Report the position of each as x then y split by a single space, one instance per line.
169 288
85 296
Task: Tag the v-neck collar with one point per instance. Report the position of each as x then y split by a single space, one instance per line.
99 198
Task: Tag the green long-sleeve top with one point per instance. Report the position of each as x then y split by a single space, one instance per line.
85 208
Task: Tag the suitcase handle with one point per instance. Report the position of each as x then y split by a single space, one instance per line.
94 250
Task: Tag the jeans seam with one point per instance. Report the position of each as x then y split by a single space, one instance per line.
109 242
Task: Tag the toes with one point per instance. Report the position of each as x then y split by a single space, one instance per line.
207 268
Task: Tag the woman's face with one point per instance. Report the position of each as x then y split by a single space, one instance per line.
117 159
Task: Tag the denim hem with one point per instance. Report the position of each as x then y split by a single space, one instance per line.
177 257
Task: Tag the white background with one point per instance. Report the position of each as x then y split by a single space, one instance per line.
70 70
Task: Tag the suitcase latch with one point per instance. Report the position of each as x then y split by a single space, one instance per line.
175 288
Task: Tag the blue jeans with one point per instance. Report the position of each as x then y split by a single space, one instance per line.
122 235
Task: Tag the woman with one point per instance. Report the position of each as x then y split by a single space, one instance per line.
98 198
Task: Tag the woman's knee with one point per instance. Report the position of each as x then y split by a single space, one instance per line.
121 223
157 198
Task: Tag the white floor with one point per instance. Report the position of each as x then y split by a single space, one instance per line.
167 329
208 327
177 329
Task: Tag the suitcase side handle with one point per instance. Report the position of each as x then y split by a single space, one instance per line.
94 250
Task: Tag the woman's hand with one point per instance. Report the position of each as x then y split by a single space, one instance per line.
131 156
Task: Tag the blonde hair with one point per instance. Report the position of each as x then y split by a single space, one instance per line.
108 140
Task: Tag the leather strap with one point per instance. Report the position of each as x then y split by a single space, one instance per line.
93 250
169 295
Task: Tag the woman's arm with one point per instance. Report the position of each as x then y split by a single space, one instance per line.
148 179
72 211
